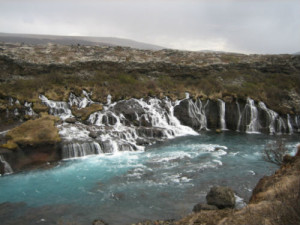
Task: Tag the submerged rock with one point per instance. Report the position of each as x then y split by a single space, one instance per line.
221 197
99 222
200 206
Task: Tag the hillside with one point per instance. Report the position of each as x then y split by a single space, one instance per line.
38 39
56 70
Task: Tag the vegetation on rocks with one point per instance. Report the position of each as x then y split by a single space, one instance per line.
86 112
36 132
55 71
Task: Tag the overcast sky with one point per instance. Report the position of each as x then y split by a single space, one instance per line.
249 26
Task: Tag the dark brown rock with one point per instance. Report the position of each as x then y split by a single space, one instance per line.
93 134
222 197
70 120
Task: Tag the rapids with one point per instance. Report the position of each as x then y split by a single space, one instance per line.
162 182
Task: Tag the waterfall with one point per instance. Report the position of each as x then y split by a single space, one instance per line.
239 116
10 101
126 125
80 102
130 125
289 124
7 167
197 112
28 109
187 95
253 126
108 100
57 108
74 150
272 117
297 122
16 112
222 114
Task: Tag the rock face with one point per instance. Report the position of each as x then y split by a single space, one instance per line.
221 197
249 116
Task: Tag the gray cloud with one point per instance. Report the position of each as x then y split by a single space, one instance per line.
267 26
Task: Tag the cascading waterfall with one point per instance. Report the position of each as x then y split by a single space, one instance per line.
28 109
80 102
239 116
253 126
129 125
289 124
7 167
108 100
197 111
272 117
281 126
116 131
222 114
16 112
297 123
73 150
57 108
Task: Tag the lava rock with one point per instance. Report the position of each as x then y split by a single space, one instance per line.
70 120
222 197
130 109
2 168
200 206
93 134
212 113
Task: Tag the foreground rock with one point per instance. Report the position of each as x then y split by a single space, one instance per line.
275 200
31 144
221 197
41 131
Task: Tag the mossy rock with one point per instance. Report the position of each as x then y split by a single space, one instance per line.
9 145
34 133
86 112
39 107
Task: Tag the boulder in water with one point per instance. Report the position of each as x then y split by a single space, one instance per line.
70 120
220 196
99 222
130 109
93 134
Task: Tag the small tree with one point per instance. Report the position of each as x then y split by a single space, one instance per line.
275 151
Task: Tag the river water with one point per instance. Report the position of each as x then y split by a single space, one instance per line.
163 182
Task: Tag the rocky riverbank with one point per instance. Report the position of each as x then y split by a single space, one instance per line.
275 200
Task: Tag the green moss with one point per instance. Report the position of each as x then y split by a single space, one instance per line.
86 112
34 132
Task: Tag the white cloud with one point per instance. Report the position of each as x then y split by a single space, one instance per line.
266 26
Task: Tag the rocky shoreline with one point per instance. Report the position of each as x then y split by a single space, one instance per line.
275 200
